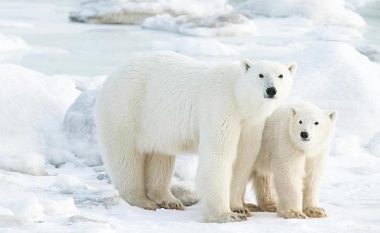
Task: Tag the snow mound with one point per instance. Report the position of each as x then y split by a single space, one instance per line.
196 17
30 103
11 43
324 12
28 163
79 128
334 75
134 12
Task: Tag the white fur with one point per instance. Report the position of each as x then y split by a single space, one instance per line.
163 104
293 165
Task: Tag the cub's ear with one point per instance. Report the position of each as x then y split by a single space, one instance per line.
332 115
246 64
292 67
293 111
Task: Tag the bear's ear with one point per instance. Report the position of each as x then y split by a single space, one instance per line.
292 67
293 111
246 64
332 115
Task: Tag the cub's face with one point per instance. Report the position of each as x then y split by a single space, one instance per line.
311 129
269 80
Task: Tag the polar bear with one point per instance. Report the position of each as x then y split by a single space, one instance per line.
163 104
295 143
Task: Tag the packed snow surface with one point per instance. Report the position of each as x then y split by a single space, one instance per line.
51 174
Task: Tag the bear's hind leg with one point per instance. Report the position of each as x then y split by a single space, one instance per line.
127 174
158 174
264 190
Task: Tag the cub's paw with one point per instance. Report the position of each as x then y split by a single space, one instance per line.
227 217
291 214
242 210
315 212
271 207
252 207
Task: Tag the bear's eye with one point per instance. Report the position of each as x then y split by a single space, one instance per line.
281 76
300 122
316 123
261 75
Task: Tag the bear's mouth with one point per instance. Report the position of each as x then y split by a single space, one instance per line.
305 139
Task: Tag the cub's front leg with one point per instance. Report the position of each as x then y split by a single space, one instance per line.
217 153
288 172
314 167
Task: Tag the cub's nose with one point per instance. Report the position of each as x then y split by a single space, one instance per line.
271 92
304 134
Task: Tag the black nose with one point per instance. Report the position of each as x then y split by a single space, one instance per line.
271 91
304 134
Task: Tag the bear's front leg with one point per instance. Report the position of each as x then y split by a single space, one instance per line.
314 167
288 171
248 148
217 153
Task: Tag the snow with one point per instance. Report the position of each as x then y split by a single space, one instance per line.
51 174
320 12
10 43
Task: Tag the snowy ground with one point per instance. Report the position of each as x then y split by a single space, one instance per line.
51 178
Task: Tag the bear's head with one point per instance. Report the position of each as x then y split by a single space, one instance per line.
311 128
268 80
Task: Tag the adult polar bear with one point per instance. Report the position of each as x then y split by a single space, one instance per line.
163 104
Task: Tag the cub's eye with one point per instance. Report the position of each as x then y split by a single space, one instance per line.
300 122
261 75
281 76
316 123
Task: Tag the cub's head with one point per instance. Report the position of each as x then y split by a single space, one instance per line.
311 128
269 80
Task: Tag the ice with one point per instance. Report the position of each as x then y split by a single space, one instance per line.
320 12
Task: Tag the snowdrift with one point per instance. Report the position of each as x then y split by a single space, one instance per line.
30 103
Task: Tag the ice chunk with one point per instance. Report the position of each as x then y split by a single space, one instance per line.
374 145
70 184
79 128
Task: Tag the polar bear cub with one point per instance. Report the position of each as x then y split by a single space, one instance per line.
296 140
163 104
